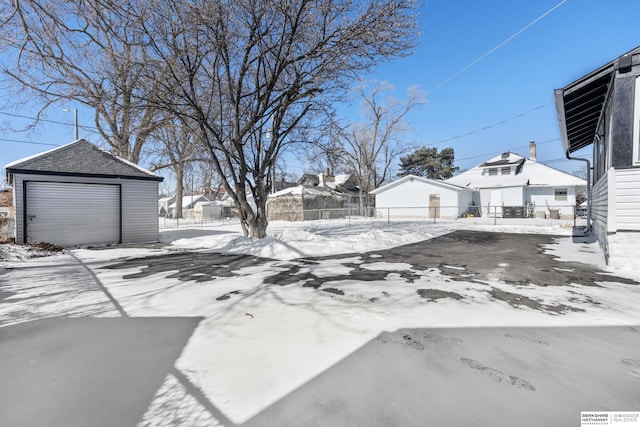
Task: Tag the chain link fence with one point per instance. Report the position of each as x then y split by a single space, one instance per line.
565 214
496 215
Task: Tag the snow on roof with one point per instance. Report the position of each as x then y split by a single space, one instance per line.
333 181
302 189
419 179
189 201
503 159
528 173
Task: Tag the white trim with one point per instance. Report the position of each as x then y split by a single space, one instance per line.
636 123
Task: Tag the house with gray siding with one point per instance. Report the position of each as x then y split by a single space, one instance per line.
601 110
79 194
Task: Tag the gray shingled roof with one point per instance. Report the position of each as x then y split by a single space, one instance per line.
80 158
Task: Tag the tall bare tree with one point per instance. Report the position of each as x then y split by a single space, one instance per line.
82 51
177 149
250 74
371 146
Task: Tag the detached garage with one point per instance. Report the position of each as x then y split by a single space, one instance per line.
78 194
417 197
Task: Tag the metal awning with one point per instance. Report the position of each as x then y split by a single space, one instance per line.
580 105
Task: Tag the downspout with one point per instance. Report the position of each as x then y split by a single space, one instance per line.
559 95
588 185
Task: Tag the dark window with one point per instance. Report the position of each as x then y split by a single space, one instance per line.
560 194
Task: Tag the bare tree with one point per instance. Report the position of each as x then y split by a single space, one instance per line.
370 147
82 51
178 149
250 74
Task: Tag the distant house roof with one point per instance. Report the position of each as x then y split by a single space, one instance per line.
410 178
309 179
345 182
80 158
190 201
527 173
505 159
580 104
301 190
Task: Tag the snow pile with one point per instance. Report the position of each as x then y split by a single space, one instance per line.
287 240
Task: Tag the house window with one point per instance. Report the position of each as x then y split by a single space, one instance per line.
493 171
505 171
560 194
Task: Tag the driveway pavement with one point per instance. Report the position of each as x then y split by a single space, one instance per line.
226 343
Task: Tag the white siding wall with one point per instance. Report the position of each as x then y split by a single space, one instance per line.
627 195
513 196
542 197
600 201
139 205
615 207
411 199
485 199
139 211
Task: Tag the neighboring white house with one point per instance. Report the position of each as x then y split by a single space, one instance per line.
208 211
510 185
417 197
188 205
163 205
602 110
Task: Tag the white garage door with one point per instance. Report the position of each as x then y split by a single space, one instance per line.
72 214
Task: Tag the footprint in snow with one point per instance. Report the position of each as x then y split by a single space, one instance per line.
498 376
634 363
410 342
524 338
227 296
438 338
407 341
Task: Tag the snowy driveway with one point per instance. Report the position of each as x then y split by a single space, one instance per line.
467 327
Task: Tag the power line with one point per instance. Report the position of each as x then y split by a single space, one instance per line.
20 116
493 125
29 142
532 23
502 151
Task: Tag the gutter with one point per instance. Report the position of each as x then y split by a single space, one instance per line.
559 96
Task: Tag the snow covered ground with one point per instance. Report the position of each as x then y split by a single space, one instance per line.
264 334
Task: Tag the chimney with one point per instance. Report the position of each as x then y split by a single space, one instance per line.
532 151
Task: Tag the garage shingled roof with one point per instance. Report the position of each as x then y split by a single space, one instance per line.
80 158
580 104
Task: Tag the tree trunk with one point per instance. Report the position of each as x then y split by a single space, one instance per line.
253 224
179 189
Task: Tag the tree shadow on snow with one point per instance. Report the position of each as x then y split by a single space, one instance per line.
469 376
86 371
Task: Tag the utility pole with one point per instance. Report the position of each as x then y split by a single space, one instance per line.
75 122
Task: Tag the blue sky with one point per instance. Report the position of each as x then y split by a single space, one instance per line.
519 77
